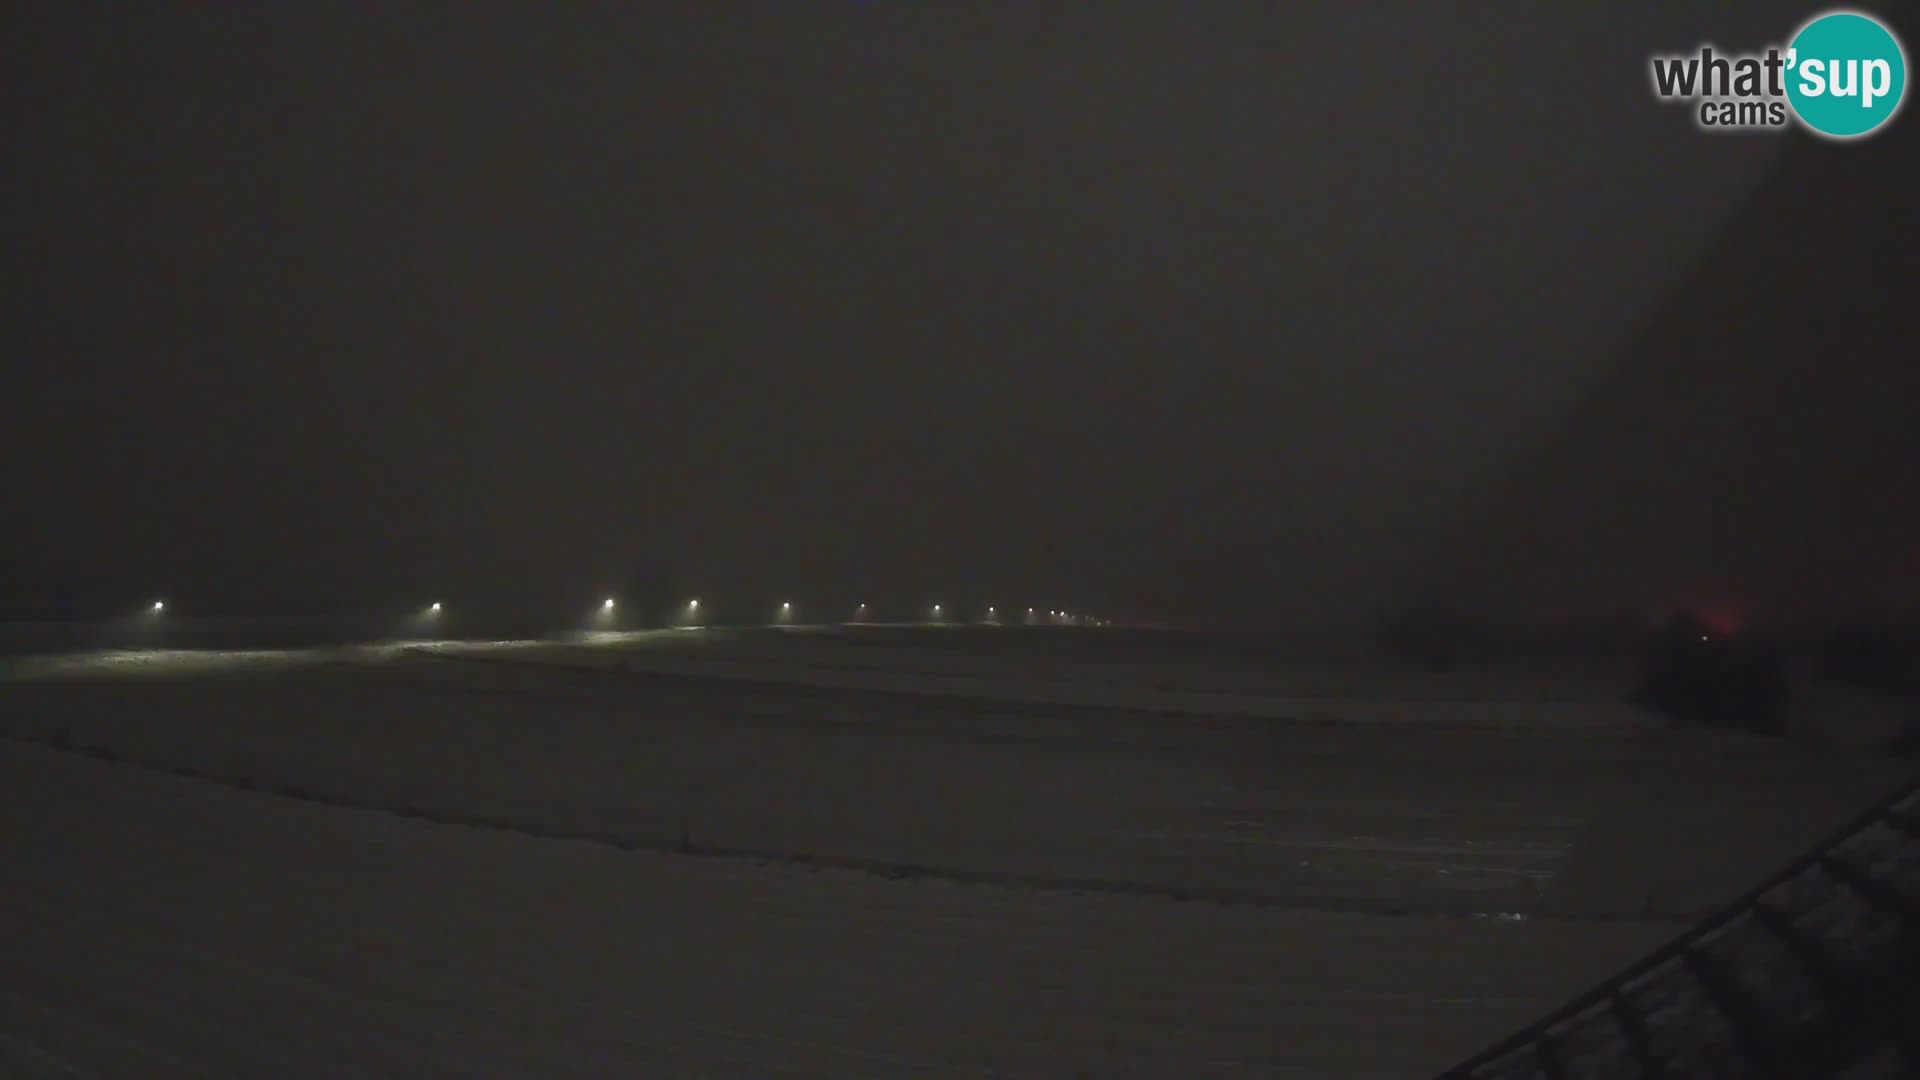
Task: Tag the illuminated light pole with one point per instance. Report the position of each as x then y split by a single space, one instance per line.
603 616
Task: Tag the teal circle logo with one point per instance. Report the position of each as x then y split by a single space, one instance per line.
1846 74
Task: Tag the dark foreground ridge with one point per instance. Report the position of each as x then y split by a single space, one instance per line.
1816 973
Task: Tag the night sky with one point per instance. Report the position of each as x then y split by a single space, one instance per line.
1199 312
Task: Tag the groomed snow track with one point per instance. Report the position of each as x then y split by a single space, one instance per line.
162 926
396 866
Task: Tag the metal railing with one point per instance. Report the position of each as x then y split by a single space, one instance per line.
1814 971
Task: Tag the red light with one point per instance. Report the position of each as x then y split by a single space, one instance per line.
1723 621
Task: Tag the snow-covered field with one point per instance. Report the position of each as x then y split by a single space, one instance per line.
913 854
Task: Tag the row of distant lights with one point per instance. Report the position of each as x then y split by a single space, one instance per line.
786 610
693 609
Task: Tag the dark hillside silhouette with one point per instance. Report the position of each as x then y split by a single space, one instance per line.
1759 448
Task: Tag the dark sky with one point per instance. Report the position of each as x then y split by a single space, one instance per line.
1196 311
